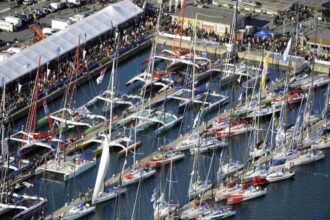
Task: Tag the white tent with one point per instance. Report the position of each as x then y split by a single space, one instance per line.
63 41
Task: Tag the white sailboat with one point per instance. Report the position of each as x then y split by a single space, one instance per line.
99 194
217 213
322 143
77 212
244 195
280 175
306 157
63 166
162 208
23 206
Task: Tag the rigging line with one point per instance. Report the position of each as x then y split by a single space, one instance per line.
115 208
136 198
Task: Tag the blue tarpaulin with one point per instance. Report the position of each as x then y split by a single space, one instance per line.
278 162
263 34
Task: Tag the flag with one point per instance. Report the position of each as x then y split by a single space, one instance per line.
264 73
45 107
2 84
163 45
48 72
144 6
19 86
27 66
154 195
84 54
319 50
196 120
100 78
240 97
205 53
284 57
58 50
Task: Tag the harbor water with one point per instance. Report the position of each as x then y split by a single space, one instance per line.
305 197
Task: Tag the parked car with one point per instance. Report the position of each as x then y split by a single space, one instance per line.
24 18
48 31
37 14
44 10
29 16
56 5
28 2
49 8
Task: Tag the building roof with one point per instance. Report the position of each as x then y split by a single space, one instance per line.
211 14
63 41
322 36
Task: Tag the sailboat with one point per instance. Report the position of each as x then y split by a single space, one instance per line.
99 194
20 206
65 167
280 175
323 140
247 194
162 208
78 211
134 175
29 138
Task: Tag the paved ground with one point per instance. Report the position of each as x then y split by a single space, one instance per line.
279 4
25 35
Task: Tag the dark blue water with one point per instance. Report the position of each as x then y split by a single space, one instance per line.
306 197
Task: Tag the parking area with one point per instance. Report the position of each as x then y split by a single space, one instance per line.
24 35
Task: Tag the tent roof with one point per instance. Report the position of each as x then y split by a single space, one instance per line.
65 40
263 34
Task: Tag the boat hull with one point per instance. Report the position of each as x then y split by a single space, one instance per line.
81 214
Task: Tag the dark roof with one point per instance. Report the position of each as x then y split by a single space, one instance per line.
211 14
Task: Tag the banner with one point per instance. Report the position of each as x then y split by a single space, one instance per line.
284 57
99 79
264 73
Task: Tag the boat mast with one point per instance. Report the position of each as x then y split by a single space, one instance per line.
194 60
31 119
183 14
4 150
69 93
113 71
233 85
311 88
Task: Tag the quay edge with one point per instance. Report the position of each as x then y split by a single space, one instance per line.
254 56
55 94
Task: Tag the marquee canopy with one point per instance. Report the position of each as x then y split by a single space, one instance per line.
65 40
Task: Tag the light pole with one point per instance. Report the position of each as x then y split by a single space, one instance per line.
58 50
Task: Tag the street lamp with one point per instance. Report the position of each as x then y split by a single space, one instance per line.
58 51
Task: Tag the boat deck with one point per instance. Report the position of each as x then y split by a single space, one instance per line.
58 213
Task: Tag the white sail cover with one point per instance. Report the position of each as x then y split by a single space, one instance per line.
104 165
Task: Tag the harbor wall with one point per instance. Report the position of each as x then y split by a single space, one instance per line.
55 94
213 50
254 56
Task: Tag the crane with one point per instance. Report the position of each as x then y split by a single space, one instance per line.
38 33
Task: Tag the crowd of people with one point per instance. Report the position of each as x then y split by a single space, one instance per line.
57 74
276 43
131 34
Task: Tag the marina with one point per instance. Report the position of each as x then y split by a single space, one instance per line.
165 112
